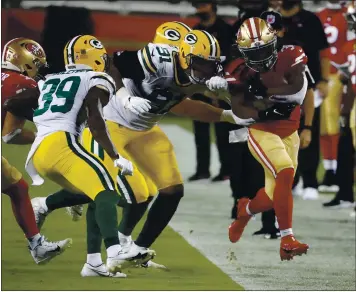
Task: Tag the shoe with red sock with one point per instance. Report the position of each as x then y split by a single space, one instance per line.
291 247
237 227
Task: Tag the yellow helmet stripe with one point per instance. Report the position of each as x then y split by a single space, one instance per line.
183 24
213 49
70 50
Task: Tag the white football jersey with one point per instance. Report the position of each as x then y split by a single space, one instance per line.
162 86
61 99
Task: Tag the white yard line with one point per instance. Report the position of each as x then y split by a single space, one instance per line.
203 218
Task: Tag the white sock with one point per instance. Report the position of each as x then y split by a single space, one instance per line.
286 232
113 250
327 164
94 259
248 209
33 241
334 165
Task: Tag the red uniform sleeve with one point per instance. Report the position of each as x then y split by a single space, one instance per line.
237 72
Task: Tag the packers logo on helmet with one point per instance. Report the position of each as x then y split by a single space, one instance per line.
171 33
23 55
87 51
199 56
191 39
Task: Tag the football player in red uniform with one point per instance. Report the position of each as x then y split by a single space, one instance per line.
335 27
347 143
275 80
21 60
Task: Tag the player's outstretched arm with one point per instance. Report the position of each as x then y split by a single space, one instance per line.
95 100
198 110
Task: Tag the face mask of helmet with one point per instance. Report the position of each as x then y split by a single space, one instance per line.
201 70
261 58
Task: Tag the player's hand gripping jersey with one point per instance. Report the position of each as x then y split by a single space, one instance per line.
153 74
239 74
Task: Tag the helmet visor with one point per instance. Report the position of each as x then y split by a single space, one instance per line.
261 58
201 69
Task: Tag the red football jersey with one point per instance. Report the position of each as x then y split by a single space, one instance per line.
288 57
13 83
335 27
349 54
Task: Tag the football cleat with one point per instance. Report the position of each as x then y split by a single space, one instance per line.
310 194
47 250
237 227
75 212
153 265
99 271
134 256
40 210
291 247
329 184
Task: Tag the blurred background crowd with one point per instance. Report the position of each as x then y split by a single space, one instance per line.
326 160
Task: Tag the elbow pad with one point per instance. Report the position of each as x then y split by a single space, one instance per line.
297 98
7 138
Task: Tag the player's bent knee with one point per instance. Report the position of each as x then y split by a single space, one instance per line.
173 190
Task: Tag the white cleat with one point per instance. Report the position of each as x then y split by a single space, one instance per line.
47 250
40 210
134 256
125 241
153 265
298 189
328 189
99 271
310 194
75 212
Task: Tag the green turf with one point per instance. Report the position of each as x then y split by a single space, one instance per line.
189 270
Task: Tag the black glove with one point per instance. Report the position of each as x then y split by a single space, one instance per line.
279 111
255 86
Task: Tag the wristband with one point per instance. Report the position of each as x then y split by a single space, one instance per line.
307 127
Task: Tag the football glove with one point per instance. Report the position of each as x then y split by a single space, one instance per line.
255 86
279 111
138 105
228 116
125 165
217 83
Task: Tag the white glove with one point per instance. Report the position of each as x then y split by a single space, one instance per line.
228 116
138 105
217 83
135 104
125 165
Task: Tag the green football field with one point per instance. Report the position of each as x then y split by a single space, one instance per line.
189 269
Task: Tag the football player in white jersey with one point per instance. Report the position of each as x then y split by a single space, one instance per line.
67 100
139 189
157 79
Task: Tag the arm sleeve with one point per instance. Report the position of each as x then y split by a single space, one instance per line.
128 64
